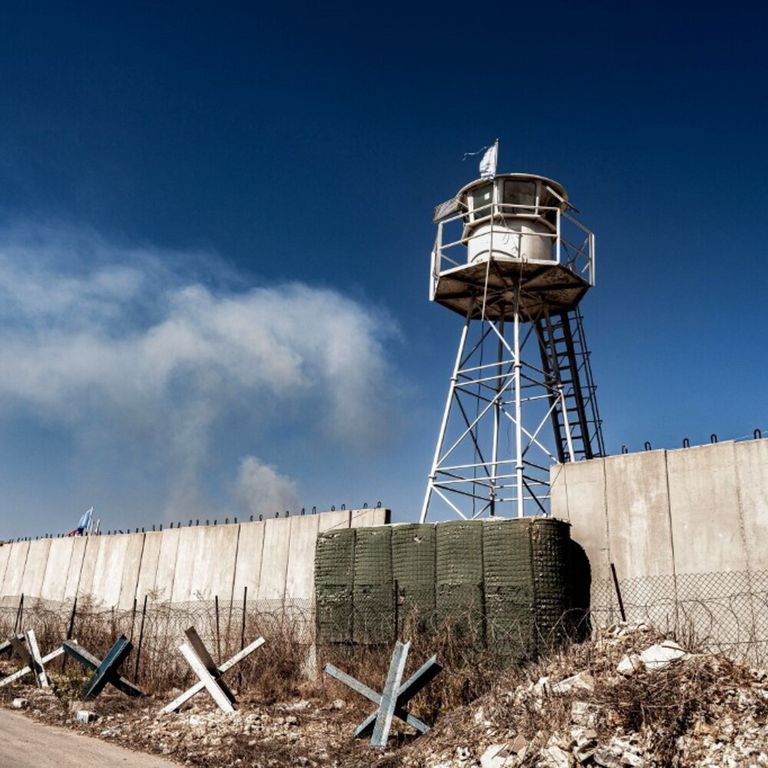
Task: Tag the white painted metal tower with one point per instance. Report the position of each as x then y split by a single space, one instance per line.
513 261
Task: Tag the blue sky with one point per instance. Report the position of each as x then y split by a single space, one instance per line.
215 224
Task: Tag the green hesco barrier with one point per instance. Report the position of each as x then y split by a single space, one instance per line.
508 571
550 579
459 579
373 590
413 569
515 586
334 579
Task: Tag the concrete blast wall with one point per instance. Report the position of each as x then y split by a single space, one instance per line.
685 529
274 559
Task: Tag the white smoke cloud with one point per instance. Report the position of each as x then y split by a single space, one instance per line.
163 346
261 489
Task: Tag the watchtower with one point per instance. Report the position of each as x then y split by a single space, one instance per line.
512 259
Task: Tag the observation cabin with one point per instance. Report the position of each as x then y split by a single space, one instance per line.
510 244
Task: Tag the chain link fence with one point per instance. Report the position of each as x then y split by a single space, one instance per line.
723 612
156 631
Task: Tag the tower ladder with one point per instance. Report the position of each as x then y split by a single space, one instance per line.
565 359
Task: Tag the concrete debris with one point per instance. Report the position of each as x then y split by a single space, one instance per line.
583 681
584 750
495 756
624 629
633 699
541 687
554 757
585 713
463 754
297 706
661 655
629 665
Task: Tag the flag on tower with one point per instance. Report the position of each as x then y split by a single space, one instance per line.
488 163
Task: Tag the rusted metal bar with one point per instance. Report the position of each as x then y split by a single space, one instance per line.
622 612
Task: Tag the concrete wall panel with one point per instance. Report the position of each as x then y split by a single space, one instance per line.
583 490
56 570
108 573
752 469
558 492
5 553
704 502
710 544
131 566
150 557
76 561
14 572
205 563
332 520
166 565
90 559
300 576
638 514
274 565
249 554
274 559
34 569
362 518
217 551
186 580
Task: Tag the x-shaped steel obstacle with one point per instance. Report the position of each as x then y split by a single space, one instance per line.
393 699
30 656
206 669
106 671
6 646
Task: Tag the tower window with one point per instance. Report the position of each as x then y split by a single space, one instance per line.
521 193
482 197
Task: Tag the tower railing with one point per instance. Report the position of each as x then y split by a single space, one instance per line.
572 244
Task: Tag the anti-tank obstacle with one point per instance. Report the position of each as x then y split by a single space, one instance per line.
199 658
393 700
106 671
31 657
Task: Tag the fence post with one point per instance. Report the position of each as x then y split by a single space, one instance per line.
19 615
622 613
133 617
242 628
141 640
70 630
397 609
218 627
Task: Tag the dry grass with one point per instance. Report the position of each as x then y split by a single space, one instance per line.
285 667
476 683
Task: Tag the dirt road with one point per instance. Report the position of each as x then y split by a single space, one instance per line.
27 744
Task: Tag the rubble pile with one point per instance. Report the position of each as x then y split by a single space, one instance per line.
629 699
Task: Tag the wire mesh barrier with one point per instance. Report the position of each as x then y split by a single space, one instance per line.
725 612
722 612
157 629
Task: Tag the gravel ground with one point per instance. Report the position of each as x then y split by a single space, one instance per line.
27 744
629 699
